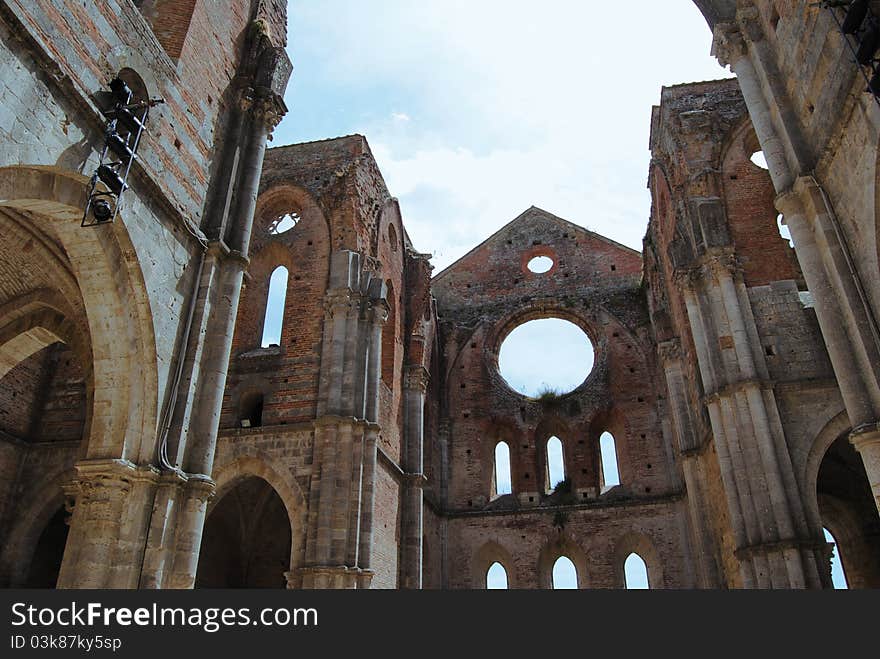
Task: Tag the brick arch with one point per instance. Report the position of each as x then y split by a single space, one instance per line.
749 201
41 501
549 426
282 198
484 557
639 543
497 430
390 227
545 308
562 545
613 421
261 466
117 306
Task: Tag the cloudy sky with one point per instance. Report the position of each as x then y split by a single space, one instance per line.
477 110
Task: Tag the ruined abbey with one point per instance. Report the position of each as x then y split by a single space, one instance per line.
151 438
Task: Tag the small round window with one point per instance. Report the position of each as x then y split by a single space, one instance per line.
546 358
540 264
284 223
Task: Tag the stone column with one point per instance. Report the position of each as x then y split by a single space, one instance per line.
339 534
690 450
414 388
92 551
866 440
771 536
173 554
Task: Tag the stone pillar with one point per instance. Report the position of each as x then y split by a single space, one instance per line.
414 388
339 537
848 324
173 546
92 553
690 450
772 539
866 440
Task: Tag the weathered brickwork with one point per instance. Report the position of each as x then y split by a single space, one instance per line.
149 438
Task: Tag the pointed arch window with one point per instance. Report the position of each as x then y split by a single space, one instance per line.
496 577
838 578
501 483
635 573
564 574
274 317
555 463
608 451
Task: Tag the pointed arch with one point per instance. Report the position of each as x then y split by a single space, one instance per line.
555 453
642 546
273 318
501 475
283 483
485 557
549 556
48 202
608 454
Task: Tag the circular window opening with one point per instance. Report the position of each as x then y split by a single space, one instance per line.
283 224
540 264
546 358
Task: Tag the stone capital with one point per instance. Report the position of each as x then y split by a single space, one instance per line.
721 263
669 350
866 438
268 109
728 44
416 378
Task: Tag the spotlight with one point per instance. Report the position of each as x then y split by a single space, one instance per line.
121 91
101 210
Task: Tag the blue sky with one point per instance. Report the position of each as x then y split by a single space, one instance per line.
477 110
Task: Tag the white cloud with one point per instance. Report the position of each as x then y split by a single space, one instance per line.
518 104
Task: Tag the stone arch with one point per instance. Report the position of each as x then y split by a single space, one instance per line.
284 484
641 544
562 546
280 198
29 334
105 266
838 497
42 501
489 553
836 427
854 554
